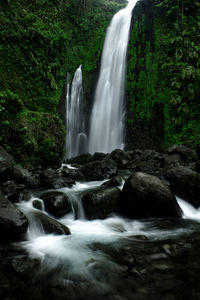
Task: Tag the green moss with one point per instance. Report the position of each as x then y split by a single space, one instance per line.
166 67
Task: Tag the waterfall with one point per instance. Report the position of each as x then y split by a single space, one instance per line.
107 119
76 138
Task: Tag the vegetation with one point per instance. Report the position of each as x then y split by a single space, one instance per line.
40 41
164 67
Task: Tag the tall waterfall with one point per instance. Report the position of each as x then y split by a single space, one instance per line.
106 127
76 139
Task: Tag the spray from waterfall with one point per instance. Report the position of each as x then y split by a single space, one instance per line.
107 119
76 138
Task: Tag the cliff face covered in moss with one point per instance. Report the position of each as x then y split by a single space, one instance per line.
40 41
163 74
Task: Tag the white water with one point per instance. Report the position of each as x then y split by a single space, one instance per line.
76 139
85 232
189 211
75 261
107 118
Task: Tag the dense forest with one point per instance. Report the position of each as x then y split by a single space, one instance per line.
41 41
163 76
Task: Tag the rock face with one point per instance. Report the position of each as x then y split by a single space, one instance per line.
98 170
56 203
50 225
145 196
185 152
100 204
185 183
51 179
20 174
6 163
13 223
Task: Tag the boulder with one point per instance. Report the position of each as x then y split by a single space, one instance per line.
100 204
13 223
23 266
37 204
60 182
151 155
20 174
6 164
97 156
123 158
185 183
50 225
172 160
115 181
185 152
10 187
98 170
80 159
56 203
52 179
33 182
145 196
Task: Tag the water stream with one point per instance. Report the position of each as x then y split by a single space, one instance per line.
78 263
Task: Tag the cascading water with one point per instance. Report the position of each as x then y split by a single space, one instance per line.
76 139
106 127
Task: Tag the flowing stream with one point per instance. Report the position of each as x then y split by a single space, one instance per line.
75 262
107 118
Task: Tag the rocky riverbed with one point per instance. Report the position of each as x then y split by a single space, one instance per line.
107 226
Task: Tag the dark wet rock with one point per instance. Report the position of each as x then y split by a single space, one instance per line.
56 203
123 159
11 187
185 152
151 162
98 170
149 167
80 159
34 182
23 266
185 183
61 182
14 197
13 223
151 155
145 196
192 166
26 196
6 164
172 160
50 225
52 179
115 181
97 156
70 175
20 174
100 204
46 177
37 204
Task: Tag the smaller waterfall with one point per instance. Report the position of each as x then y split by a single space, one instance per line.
76 138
